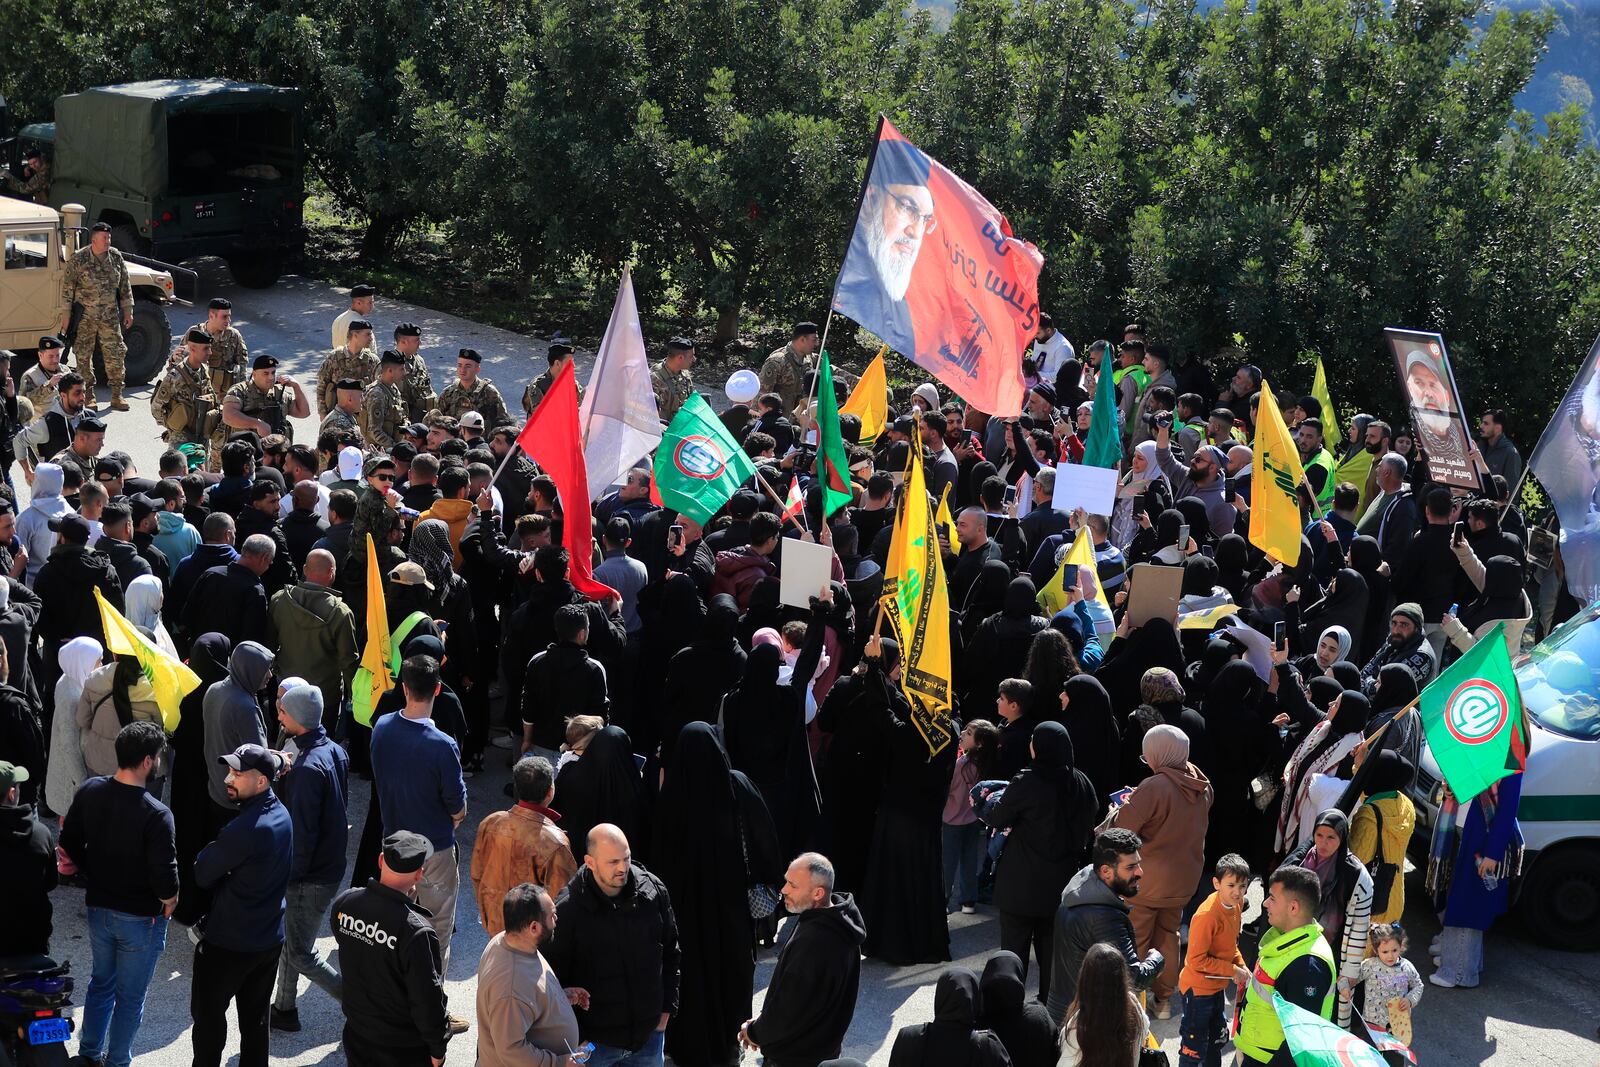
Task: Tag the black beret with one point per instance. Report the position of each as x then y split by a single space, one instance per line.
405 852
559 346
197 336
264 362
100 227
50 341
804 329
469 353
219 304
91 424
391 358
359 324
349 383
407 329
359 291
680 344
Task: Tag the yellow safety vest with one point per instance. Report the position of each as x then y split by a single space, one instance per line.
1260 1033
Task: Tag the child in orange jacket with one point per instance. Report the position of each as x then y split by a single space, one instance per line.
1212 963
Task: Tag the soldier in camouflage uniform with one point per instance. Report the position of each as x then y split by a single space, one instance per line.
670 378
230 357
383 409
347 416
36 186
378 512
41 381
259 404
559 355
355 360
416 388
185 397
785 370
96 279
473 393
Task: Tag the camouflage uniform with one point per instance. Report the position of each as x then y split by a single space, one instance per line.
35 187
256 404
416 389
383 412
343 363
672 389
784 373
483 397
230 359
375 516
536 390
174 406
37 388
341 420
100 285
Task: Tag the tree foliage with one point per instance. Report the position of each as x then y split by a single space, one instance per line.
1286 176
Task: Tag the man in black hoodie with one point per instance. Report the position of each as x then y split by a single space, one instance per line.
261 517
29 860
66 585
561 682
811 997
116 541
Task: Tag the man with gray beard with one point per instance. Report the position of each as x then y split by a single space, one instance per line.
896 215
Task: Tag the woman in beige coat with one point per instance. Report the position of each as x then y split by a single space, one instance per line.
114 696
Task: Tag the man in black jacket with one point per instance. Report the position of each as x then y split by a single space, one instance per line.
1094 908
116 541
616 950
811 997
230 599
66 585
562 681
29 860
394 1003
261 517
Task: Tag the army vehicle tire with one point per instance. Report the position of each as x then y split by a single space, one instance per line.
125 238
256 270
149 340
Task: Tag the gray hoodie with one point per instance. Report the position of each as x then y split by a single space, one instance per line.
33 525
231 714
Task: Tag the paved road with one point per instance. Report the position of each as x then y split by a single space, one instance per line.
1536 1005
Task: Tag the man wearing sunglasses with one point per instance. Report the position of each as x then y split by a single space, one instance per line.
897 213
378 508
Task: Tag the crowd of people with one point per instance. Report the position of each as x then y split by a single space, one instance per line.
692 759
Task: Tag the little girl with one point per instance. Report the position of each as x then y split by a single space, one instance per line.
1392 983
963 833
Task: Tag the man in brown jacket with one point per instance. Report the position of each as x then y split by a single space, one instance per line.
521 845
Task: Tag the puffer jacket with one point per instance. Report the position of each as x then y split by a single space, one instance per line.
98 723
739 571
1090 913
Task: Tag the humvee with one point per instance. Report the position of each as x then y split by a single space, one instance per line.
37 240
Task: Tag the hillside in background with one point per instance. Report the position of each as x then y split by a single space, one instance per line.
1569 72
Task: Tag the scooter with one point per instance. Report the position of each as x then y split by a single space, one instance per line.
35 1011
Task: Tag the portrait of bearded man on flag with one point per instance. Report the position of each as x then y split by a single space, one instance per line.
897 212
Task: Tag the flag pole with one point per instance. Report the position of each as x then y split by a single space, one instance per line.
777 500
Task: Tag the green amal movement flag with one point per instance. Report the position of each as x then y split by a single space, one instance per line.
1315 1042
1104 447
1473 719
832 469
698 463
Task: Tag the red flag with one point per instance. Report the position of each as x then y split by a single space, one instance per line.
934 270
551 439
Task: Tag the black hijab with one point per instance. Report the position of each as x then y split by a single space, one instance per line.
1219 652
1200 576
1345 605
1155 644
1365 559
1346 674
1193 510
952 1039
986 597
1340 877
1233 565
1093 731
1167 524
1069 386
1502 596
1397 687
750 716
208 658
1022 1025
602 785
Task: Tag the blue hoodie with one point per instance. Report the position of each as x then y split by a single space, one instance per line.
176 539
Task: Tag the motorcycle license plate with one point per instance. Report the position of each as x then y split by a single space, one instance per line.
49 1031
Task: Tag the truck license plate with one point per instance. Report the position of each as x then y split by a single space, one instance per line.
206 209
48 1031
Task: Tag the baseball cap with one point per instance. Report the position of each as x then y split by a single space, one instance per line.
72 526
404 852
349 463
143 507
253 758
472 419
91 424
11 775
409 573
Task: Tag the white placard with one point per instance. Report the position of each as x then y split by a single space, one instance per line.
1094 489
804 571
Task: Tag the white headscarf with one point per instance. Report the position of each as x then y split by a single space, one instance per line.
78 658
143 599
1341 637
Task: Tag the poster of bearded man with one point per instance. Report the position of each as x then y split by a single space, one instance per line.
934 271
1435 405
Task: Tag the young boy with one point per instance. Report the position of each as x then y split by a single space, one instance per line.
1212 963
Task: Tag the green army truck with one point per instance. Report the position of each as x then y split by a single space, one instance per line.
186 168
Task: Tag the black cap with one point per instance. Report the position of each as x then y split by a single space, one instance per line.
349 383
559 346
220 304
391 358
197 336
107 465
904 424
100 227
805 329
680 344
359 324
72 526
264 362
359 291
50 341
405 852
91 424
417 429
253 758
469 353
407 329
143 507
1046 390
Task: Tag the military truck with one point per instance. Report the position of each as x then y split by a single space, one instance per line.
37 240
185 168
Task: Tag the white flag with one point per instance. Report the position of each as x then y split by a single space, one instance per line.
620 422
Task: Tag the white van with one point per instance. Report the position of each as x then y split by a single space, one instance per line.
1558 895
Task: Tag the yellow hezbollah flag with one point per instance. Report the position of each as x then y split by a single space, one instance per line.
1206 618
869 400
946 523
917 602
1053 597
372 678
1275 486
1330 415
170 677
1355 470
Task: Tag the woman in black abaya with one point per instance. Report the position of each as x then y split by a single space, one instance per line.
602 785
713 839
1365 559
999 648
1155 644
673 615
208 658
1345 605
986 597
952 1039
903 899
1246 741
698 677
859 713
1096 738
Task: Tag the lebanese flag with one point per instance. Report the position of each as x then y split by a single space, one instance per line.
794 501
551 439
